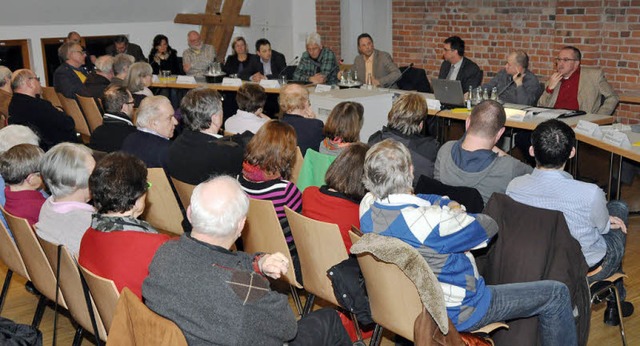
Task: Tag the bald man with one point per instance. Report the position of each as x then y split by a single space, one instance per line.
516 83
198 57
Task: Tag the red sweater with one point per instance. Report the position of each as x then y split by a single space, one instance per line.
327 206
25 204
122 256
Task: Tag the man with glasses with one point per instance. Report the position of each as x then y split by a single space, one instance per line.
574 87
51 124
70 76
458 67
117 124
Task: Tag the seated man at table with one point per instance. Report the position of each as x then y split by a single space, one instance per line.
474 160
574 87
598 226
199 152
212 293
121 45
375 63
516 83
198 57
116 123
318 64
155 123
266 64
458 67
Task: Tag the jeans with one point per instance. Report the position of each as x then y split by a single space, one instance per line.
615 240
548 299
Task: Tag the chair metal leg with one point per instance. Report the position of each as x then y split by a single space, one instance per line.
614 290
376 337
308 305
356 324
77 339
294 294
37 317
5 287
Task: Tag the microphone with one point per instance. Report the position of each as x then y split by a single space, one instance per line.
401 74
335 67
286 67
505 88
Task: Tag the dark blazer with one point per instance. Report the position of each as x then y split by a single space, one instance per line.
232 64
52 125
278 64
96 84
469 75
196 156
132 49
308 131
109 136
67 82
150 148
171 64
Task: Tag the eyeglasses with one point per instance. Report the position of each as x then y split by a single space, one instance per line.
132 102
36 78
447 50
82 52
565 59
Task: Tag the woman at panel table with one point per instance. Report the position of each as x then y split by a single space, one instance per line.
240 57
162 57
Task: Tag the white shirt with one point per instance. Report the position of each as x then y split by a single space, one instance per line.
244 121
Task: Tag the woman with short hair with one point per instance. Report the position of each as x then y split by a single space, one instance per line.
138 81
251 99
239 58
342 127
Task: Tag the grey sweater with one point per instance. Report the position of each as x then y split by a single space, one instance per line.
494 178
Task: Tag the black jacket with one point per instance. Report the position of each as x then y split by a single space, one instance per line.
171 64
469 75
109 136
308 131
278 64
150 148
67 82
96 84
232 64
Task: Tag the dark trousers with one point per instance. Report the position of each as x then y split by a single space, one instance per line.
321 328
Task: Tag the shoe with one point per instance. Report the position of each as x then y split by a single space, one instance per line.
611 313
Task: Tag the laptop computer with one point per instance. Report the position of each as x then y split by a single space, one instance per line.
448 92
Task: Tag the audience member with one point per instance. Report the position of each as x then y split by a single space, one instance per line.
342 128
516 83
251 99
20 169
116 122
296 108
121 64
99 80
199 152
138 81
474 160
155 123
121 45
65 216
338 201
458 67
90 59
197 59
266 64
239 58
376 65
318 64
212 293
27 108
405 122
598 226
574 87
69 77
117 245
5 93
162 57
444 234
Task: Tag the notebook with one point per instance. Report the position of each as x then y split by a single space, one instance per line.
448 92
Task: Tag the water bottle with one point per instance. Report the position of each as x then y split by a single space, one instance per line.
494 93
478 95
469 97
485 94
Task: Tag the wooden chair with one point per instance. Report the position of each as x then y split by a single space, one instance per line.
135 324
162 210
91 111
71 108
262 233
10 256
49 94
602 289
297 166
71 286
37 265
184 191
105 294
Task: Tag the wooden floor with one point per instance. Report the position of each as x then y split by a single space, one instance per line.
20 305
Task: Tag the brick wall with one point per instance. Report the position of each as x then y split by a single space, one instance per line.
606 31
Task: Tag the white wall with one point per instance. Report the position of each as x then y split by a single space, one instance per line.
372 17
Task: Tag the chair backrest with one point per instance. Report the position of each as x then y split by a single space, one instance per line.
49 94
313 170
467 196
135 324
71 287
414 79
71 108
91 111
295 170
9 253
184 191
320 247
34 258
162 210
105 294
393 297
263 233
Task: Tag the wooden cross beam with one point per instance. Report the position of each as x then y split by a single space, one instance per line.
217 26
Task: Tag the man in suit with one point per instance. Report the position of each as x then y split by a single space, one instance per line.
121 45
516 83
117 124
457 67
378 64
69 78
573 87
266 64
